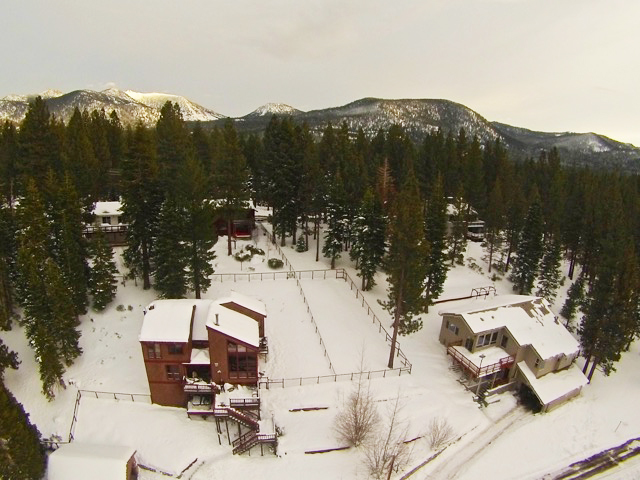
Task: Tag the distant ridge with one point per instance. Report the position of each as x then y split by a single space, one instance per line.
419 117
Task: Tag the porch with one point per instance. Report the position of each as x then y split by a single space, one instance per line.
481 364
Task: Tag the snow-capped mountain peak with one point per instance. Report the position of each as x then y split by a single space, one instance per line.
190 111
275 109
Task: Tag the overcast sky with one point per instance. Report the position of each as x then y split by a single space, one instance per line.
550 65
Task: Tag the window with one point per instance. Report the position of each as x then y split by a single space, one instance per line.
176 348
153 350
242 362
469 344
173 372
106 220
487 339
453 328
504 341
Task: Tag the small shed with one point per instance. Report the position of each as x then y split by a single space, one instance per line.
81 461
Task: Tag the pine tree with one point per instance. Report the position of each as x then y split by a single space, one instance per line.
369 239
231 179
458 234
495 221
436 238
141 203
9 162
102 281
575 299
50 317
7 265
200 234
550 275
38 148
610 314
283 165
21 454
173 145
170 255
79 160
335 231
405 265
530 249
69 247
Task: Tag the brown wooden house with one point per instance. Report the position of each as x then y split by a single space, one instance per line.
190 347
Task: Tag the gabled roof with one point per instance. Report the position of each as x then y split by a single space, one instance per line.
233 324
78 461
170 320
554 385
249 303
529 320
108 208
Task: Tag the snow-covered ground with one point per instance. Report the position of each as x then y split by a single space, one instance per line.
500 442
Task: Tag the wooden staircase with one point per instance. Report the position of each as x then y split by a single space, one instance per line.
251 439
246 412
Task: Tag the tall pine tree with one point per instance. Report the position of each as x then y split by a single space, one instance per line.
405 263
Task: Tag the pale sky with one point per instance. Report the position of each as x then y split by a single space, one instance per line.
549 65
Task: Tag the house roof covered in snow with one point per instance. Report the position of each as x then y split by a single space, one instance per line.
233 324
529 320
78 461
245 301
108 208
170 320
554 385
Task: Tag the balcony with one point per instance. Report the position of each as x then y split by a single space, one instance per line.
486 362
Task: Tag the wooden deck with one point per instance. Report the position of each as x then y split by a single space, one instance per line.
475 370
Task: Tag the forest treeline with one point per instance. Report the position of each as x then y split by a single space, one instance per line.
392 205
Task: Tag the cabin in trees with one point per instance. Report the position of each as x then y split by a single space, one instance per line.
241 226
80 461
107 217
474 228
190 347
514 340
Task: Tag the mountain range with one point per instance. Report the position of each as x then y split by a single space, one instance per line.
417 116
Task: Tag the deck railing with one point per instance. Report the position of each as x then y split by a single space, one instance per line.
475 370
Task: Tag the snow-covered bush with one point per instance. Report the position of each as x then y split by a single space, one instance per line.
275 263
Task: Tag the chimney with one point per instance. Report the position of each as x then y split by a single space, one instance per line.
217 319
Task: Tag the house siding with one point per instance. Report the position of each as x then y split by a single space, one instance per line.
220 357
165 391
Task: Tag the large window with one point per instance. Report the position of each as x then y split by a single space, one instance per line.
176 348
242 362
173 372
153 350
487 339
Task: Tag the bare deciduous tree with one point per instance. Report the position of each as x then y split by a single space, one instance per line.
387 451
439 432
359 416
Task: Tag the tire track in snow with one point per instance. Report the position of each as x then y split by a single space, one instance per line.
457 460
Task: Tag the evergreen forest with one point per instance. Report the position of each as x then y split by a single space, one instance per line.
386 202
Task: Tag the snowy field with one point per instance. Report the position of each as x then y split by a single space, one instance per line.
502 439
